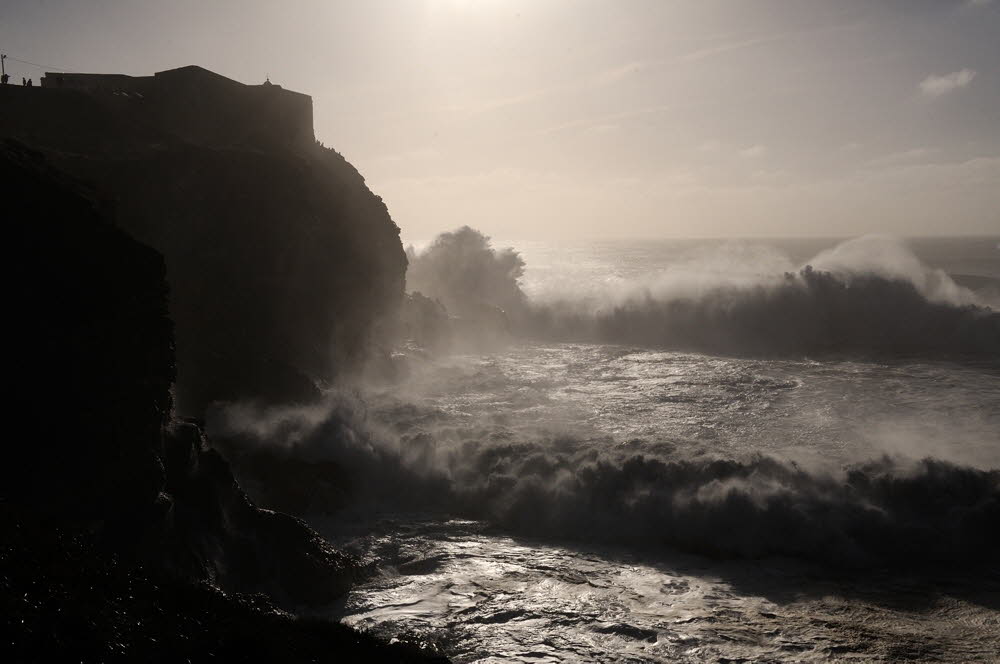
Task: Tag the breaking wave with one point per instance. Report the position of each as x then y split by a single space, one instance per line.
867 296
545 478
886 511
870 296
811 311
889 510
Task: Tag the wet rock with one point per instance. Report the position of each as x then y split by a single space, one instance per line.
216 532
64 599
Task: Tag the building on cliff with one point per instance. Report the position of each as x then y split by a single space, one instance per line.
285 271
201 106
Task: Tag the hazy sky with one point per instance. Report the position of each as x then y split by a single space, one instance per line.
532 119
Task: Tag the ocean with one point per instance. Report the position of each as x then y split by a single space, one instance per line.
624 502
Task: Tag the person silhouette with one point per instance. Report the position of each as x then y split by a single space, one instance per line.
29 82
24 81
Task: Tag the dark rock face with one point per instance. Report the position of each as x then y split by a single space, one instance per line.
123 533
93 371
273 266
64 599
283 267
283 481
93 351
212 531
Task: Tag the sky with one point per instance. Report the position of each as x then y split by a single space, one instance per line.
546 119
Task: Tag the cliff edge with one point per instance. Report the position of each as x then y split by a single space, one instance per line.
283 266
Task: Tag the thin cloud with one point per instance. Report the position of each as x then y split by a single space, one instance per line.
935 86
603 78
615 74
704 53
728 46
603 129
604 120
902 157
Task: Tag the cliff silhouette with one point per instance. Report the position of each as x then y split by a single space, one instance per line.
137 258
282 265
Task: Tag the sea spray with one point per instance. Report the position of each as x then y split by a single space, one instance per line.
550 483
869 296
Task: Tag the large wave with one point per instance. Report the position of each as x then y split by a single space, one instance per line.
867 296
807 312
544 479
888 510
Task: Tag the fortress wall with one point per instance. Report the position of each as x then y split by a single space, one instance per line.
193 104
206 108
98 82
280 114
72 120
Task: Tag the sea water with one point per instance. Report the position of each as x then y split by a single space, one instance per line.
525 590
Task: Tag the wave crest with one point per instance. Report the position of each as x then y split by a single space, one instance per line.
883 512
869 296
811 311
542 483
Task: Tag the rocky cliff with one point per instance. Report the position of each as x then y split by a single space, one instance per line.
150 273
122 527
283 267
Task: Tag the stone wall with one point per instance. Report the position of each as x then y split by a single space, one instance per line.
203 107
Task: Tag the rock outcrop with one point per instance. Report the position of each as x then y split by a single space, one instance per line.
64 599
93 374
111 508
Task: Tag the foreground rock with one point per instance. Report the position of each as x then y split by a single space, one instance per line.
64 599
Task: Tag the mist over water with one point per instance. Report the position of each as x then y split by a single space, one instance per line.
876 449
601 441
530 453
868 296
590 268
